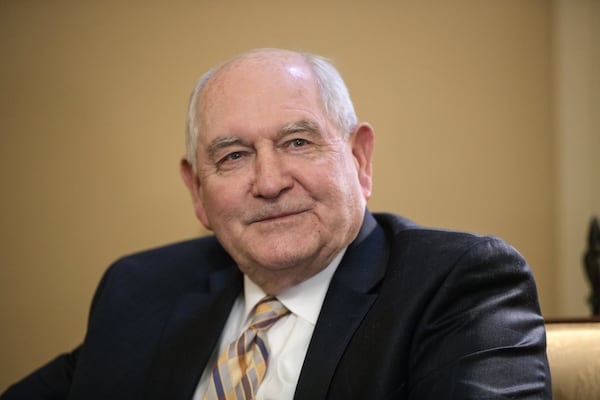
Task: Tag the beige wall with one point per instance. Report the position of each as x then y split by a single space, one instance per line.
577 116
92 109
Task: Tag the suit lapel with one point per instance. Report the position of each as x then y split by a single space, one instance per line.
350 296
191 333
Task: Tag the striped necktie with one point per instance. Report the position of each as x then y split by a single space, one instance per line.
242 366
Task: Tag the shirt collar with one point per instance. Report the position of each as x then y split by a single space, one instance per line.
304 300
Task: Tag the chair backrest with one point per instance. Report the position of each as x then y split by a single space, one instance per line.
574 357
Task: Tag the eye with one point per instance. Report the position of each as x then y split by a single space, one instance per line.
298 142
229 160
232 156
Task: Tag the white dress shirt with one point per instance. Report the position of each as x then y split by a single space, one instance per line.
288 338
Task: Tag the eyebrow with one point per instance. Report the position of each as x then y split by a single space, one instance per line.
223 142
302 125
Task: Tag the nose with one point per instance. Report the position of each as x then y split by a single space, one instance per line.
271 175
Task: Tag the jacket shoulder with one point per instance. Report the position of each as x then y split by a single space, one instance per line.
429 252
399 228
164 272
201 253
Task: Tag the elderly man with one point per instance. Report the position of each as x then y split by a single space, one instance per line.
302 293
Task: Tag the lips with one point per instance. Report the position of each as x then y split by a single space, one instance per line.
272 216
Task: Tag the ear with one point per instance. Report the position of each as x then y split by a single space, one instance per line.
362 140
191 180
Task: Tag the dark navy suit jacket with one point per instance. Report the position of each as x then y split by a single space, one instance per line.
411 313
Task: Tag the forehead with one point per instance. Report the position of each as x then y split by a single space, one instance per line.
262 86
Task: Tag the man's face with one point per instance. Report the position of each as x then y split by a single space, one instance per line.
283 190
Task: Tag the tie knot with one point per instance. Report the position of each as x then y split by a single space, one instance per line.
266 313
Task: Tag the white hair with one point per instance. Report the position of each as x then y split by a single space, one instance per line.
334 94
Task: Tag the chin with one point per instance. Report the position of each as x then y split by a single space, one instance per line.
274 262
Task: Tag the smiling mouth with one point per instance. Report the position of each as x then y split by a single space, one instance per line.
276 216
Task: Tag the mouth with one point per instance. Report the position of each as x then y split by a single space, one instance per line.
277 216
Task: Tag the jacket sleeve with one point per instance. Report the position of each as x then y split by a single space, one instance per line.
482 335
53 380
50 382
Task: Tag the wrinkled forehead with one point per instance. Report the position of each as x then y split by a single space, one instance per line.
260 76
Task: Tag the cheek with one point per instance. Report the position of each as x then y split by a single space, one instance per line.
332 185
224 202
342 174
